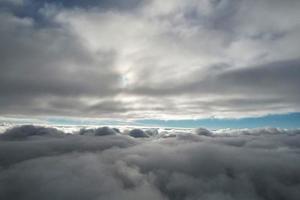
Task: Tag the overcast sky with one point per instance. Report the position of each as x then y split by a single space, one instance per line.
149 59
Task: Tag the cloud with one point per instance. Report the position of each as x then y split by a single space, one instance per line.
44 68
259 131
28 142
124 59
242 166
22 132
137 133
100 131
203 131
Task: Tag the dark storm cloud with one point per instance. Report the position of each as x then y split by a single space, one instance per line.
237 166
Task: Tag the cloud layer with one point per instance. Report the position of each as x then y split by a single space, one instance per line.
262 164
149 59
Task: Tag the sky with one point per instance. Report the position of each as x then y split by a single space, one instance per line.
149 99
211 63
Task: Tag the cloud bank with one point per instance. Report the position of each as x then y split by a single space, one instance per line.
262 164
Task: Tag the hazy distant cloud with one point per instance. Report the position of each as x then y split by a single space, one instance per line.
236 166
23 132
149 59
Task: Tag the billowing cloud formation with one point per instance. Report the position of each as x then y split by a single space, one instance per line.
23 132
202 131
99 131
137 133
186 167
149 59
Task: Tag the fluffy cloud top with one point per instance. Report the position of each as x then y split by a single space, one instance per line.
189 166
149 59
99 131
23 132
137 133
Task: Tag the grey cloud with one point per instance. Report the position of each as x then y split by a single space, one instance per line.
281 75
257 131
99 131
259 166
103 58
203 131
41 65
22 132
109 106
152 132
102 4
29 142
137 133
263 87
276 77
